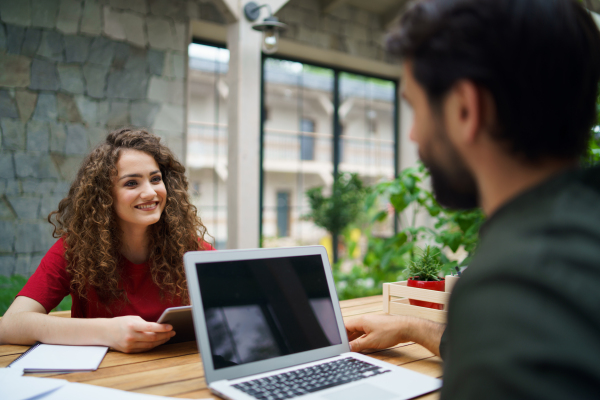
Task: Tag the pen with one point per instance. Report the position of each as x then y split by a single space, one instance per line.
457 270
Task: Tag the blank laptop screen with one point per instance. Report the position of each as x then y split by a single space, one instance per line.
260 309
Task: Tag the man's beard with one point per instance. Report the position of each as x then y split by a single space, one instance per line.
453 185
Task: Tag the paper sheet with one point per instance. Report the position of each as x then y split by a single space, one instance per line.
13 386
59 358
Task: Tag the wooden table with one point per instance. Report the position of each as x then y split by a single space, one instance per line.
176 370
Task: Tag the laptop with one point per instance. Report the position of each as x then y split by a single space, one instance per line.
269 326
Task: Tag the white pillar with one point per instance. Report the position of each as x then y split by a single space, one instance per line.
243 183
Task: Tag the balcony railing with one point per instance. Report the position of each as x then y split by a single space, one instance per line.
207 146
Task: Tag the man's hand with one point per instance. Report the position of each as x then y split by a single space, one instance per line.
131 334
383 331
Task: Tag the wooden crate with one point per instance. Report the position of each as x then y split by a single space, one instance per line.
396 295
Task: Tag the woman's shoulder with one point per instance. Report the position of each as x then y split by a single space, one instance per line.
204 245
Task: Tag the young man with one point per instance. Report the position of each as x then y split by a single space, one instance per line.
504 95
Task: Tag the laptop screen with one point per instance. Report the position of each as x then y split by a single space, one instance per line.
271 307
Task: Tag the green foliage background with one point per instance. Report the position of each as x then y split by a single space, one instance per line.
387 258
10 286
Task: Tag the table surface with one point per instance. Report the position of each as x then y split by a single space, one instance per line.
176 370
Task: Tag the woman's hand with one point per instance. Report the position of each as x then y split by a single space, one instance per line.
131 334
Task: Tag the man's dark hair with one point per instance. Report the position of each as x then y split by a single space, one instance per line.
539 59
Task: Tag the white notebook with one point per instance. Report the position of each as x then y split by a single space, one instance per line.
58 358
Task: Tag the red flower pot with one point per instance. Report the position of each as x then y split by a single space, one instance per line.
440 286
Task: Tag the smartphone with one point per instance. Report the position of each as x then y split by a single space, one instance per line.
181 320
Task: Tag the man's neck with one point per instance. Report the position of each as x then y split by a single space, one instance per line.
505 178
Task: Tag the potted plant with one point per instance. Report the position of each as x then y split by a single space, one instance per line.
424 273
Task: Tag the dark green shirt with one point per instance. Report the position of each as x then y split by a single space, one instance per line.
524 319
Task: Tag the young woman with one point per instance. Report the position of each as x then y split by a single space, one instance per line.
123 230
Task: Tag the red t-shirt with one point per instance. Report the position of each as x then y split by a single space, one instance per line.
51 283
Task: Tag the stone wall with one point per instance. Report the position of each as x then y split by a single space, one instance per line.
347 29
70 71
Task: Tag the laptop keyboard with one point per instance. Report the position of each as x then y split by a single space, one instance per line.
311 379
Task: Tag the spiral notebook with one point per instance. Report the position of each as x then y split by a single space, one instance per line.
41 358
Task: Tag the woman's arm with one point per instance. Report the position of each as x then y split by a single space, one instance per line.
26 322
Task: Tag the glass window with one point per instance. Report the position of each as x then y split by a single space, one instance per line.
207 137
298 143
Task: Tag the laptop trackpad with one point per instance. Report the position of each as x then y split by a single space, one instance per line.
361 392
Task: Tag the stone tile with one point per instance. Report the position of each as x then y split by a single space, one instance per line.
160 33
166 90
22 265
71 78
44 13
58 137
31 42
118 114
95 136
62 188
25 232
113 24
69 14
8 108
7 235
15 71
25 207
102 112
170 118
209 12
122 51
7 170
38 136
2 37
13 134
49 204
26 101
44 75
46 167
77 141
51 46
38 186
14 39
10 186
134 26
45 109
67 109
176 9
67 165
143 113
156 61
95 80
139 6
16 12
179 65
7 265
136 61
25 165
127 85
91 18
181 37
88 109
193 11
77 48
6 211
102 51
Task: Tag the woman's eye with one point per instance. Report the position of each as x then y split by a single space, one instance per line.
156 179
130 183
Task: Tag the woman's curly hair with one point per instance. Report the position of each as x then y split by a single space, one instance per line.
87 221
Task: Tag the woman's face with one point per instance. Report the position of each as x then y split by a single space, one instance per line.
139 192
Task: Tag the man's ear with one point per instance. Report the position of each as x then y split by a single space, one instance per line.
464 111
